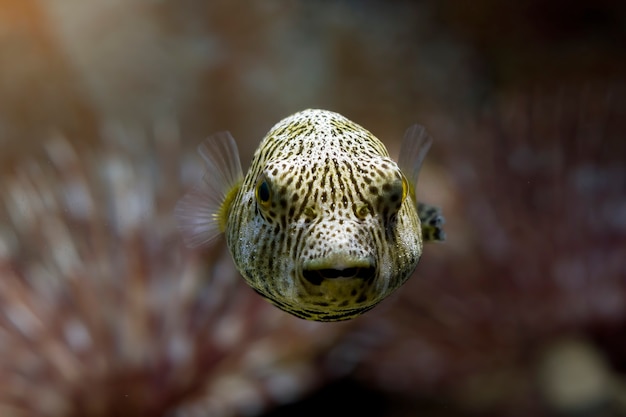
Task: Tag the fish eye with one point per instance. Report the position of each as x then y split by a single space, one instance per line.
362 211
394 193
263 192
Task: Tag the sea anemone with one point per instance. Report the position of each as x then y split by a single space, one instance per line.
536 214
104 312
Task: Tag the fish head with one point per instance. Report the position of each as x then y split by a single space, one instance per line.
324 224
327 239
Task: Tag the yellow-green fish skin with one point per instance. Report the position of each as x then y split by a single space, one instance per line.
324 224
337 206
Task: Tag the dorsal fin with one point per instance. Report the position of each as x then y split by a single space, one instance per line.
413 150
203 212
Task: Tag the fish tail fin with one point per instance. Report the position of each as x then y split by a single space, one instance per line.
432 223
202 213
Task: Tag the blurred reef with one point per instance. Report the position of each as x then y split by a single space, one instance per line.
103 312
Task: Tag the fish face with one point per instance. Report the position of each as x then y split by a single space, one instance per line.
324 224
327 238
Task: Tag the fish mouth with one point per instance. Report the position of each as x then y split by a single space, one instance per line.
316 275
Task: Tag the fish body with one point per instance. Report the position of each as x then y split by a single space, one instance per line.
324 224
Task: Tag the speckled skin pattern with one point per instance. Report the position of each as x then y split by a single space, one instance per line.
323 225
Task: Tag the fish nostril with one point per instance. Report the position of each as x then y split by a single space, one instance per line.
316 276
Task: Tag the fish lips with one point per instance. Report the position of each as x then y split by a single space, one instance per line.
338 270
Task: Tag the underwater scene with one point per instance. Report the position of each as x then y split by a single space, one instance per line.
152 264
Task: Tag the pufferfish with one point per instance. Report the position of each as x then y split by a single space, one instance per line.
324 224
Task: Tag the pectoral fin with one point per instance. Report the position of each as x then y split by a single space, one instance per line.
202 213
415 146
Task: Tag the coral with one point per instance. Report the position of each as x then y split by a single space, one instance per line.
537 231
104 312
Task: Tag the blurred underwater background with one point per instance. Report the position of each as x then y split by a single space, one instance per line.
104 312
